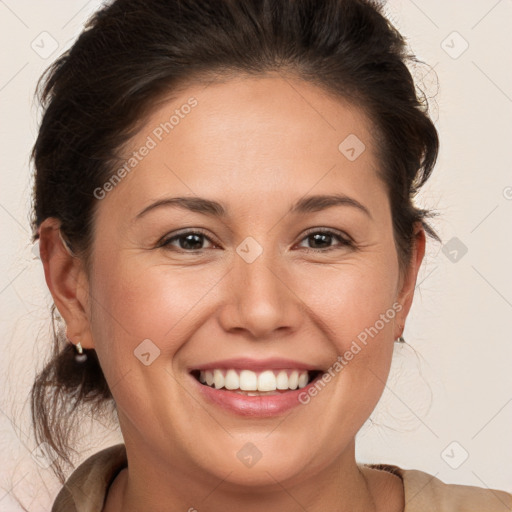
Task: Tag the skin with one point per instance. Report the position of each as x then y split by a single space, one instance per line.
256 145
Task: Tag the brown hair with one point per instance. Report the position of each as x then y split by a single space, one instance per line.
134 53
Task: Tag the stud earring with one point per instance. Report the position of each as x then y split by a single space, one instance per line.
401 338
80 357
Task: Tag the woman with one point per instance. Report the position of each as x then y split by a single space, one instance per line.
224 202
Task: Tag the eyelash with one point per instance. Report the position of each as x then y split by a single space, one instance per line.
343 240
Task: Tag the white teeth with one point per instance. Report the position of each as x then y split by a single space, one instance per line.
208 377
267 381
231 381
258 382
248 381
303 380
282 380
293 380
218 379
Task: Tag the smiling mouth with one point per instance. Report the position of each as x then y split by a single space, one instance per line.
250 383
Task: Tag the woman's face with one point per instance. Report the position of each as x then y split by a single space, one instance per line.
265 278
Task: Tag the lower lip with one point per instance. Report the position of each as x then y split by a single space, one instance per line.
256 406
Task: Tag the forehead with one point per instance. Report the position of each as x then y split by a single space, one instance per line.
250 137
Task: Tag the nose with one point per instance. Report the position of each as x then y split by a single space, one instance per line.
262 299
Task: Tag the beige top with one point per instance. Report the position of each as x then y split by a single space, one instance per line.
86 489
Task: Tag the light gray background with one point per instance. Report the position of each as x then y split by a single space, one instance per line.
450 401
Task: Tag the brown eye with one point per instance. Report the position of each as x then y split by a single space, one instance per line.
323 240
188 241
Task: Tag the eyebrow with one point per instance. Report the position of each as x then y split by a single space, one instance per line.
304 205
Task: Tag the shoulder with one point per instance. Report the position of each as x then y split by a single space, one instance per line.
86 487
426 493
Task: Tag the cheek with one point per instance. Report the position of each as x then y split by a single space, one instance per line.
353 299
138 302
356 303
349 301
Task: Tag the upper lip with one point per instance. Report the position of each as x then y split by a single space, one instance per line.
255 365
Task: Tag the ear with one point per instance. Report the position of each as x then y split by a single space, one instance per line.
408 280
67 281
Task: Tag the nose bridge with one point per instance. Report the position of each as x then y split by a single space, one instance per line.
261 301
